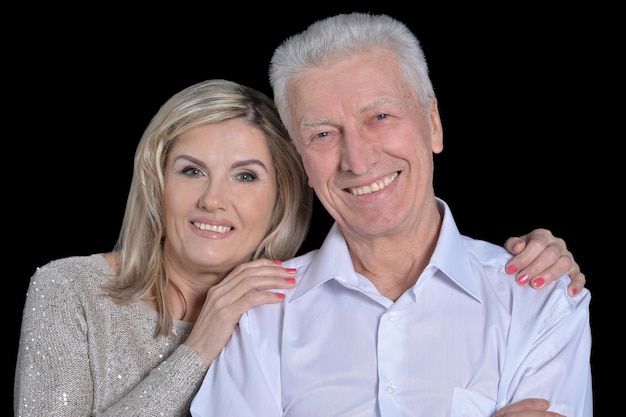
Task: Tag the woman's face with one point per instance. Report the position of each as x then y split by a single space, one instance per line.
220 193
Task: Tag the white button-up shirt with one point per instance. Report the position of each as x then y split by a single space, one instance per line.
466 340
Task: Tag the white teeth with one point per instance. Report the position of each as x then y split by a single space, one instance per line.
375 186
212 228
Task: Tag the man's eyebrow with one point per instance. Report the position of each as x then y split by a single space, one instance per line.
377 103
317 122
364 109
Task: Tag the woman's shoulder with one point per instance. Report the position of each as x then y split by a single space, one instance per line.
73 271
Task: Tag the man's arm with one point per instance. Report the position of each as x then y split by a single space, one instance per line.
548 354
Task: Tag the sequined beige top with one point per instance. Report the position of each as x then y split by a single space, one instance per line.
80 354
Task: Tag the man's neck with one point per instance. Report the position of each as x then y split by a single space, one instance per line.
394 263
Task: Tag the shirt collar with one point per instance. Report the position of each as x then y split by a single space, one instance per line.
332 260
451 255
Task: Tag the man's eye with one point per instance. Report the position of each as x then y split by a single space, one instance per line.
321 135
246 177
381 116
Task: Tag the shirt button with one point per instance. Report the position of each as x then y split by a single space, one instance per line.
392 316
391 389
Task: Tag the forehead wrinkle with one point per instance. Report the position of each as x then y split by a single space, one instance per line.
368 107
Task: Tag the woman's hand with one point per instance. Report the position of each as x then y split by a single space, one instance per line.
540 258
245 287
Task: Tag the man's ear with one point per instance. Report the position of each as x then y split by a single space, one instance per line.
436 128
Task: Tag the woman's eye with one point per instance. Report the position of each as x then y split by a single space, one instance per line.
191 172
246 177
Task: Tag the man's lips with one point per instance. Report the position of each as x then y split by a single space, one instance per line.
375 186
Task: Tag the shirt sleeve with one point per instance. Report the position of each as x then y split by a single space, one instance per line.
54 370
238 383
548 356
53 352
166 391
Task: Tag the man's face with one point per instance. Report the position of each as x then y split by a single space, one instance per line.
366 144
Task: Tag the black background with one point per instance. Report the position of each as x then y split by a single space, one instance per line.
523 93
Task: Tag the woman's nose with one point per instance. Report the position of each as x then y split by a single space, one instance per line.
214 196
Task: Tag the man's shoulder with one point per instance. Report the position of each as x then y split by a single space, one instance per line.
486 252
301 260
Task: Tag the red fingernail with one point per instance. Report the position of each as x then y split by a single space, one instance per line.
277 262
511 269
280 295
574 291
538 282
290 280
522 279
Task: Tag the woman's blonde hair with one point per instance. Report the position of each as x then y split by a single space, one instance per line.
139 244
